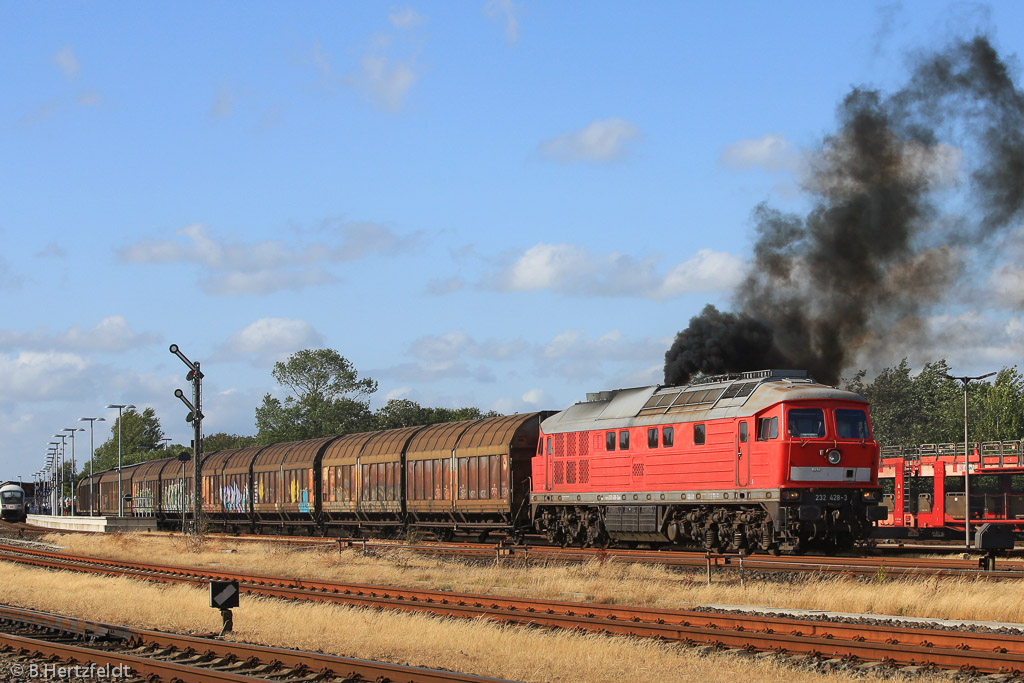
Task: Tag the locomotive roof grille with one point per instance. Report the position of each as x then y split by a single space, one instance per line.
750 374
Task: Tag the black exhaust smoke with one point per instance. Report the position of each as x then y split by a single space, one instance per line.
856 275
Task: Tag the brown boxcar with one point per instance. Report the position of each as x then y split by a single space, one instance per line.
173 503
227 486
429 473
88 495
473 475
146 488
175 497
339 481
283 478
108 491
381 481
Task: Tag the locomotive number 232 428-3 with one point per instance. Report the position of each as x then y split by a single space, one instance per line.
830 497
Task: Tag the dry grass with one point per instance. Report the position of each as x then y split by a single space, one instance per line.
608 582
473 646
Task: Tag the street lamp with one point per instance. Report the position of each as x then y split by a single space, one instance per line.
120 496
74 467
64 461
51 470
92 450
967 456
58 462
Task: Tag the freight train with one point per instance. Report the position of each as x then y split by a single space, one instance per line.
767 460
924 492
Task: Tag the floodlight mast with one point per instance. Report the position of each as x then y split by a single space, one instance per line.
195 416
965 380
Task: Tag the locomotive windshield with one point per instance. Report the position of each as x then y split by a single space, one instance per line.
11 496
807 423
851 424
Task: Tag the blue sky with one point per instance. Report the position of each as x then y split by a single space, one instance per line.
500 204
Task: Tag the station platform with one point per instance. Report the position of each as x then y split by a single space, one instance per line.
98 524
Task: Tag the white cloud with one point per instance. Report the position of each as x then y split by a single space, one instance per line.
385 81
8 278
1007 284
575 355
43 376
110 334
223 103
240 283
385 70
599 142
572 269
507 12
51 250
457 345
274 336
406 18
706 271
238 268
67 62
771 152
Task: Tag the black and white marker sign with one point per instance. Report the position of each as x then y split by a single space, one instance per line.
224 594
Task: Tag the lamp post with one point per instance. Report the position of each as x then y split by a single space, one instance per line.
92 451
51 471
58 462
967 456
74 467
55 453
120 496
63 461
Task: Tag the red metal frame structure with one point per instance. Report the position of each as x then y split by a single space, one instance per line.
924 488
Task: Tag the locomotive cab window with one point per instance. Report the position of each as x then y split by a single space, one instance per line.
652 437
623 440
851 424
806 423
609 441
698 435
743 432
549 445
767 428
667 436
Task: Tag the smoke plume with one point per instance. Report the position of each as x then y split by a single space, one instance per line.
877 249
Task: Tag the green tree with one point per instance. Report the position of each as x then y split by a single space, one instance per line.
908 410
329 398
223 441
996 410
401 412
141 440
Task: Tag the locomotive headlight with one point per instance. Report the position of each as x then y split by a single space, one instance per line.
873 495
834 457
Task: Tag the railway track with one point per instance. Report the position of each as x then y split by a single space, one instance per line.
891 560
46 645
864 641
894 565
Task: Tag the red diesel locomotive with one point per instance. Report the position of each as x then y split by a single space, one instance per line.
769 460
761 460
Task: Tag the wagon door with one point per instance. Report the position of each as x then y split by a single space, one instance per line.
742 453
